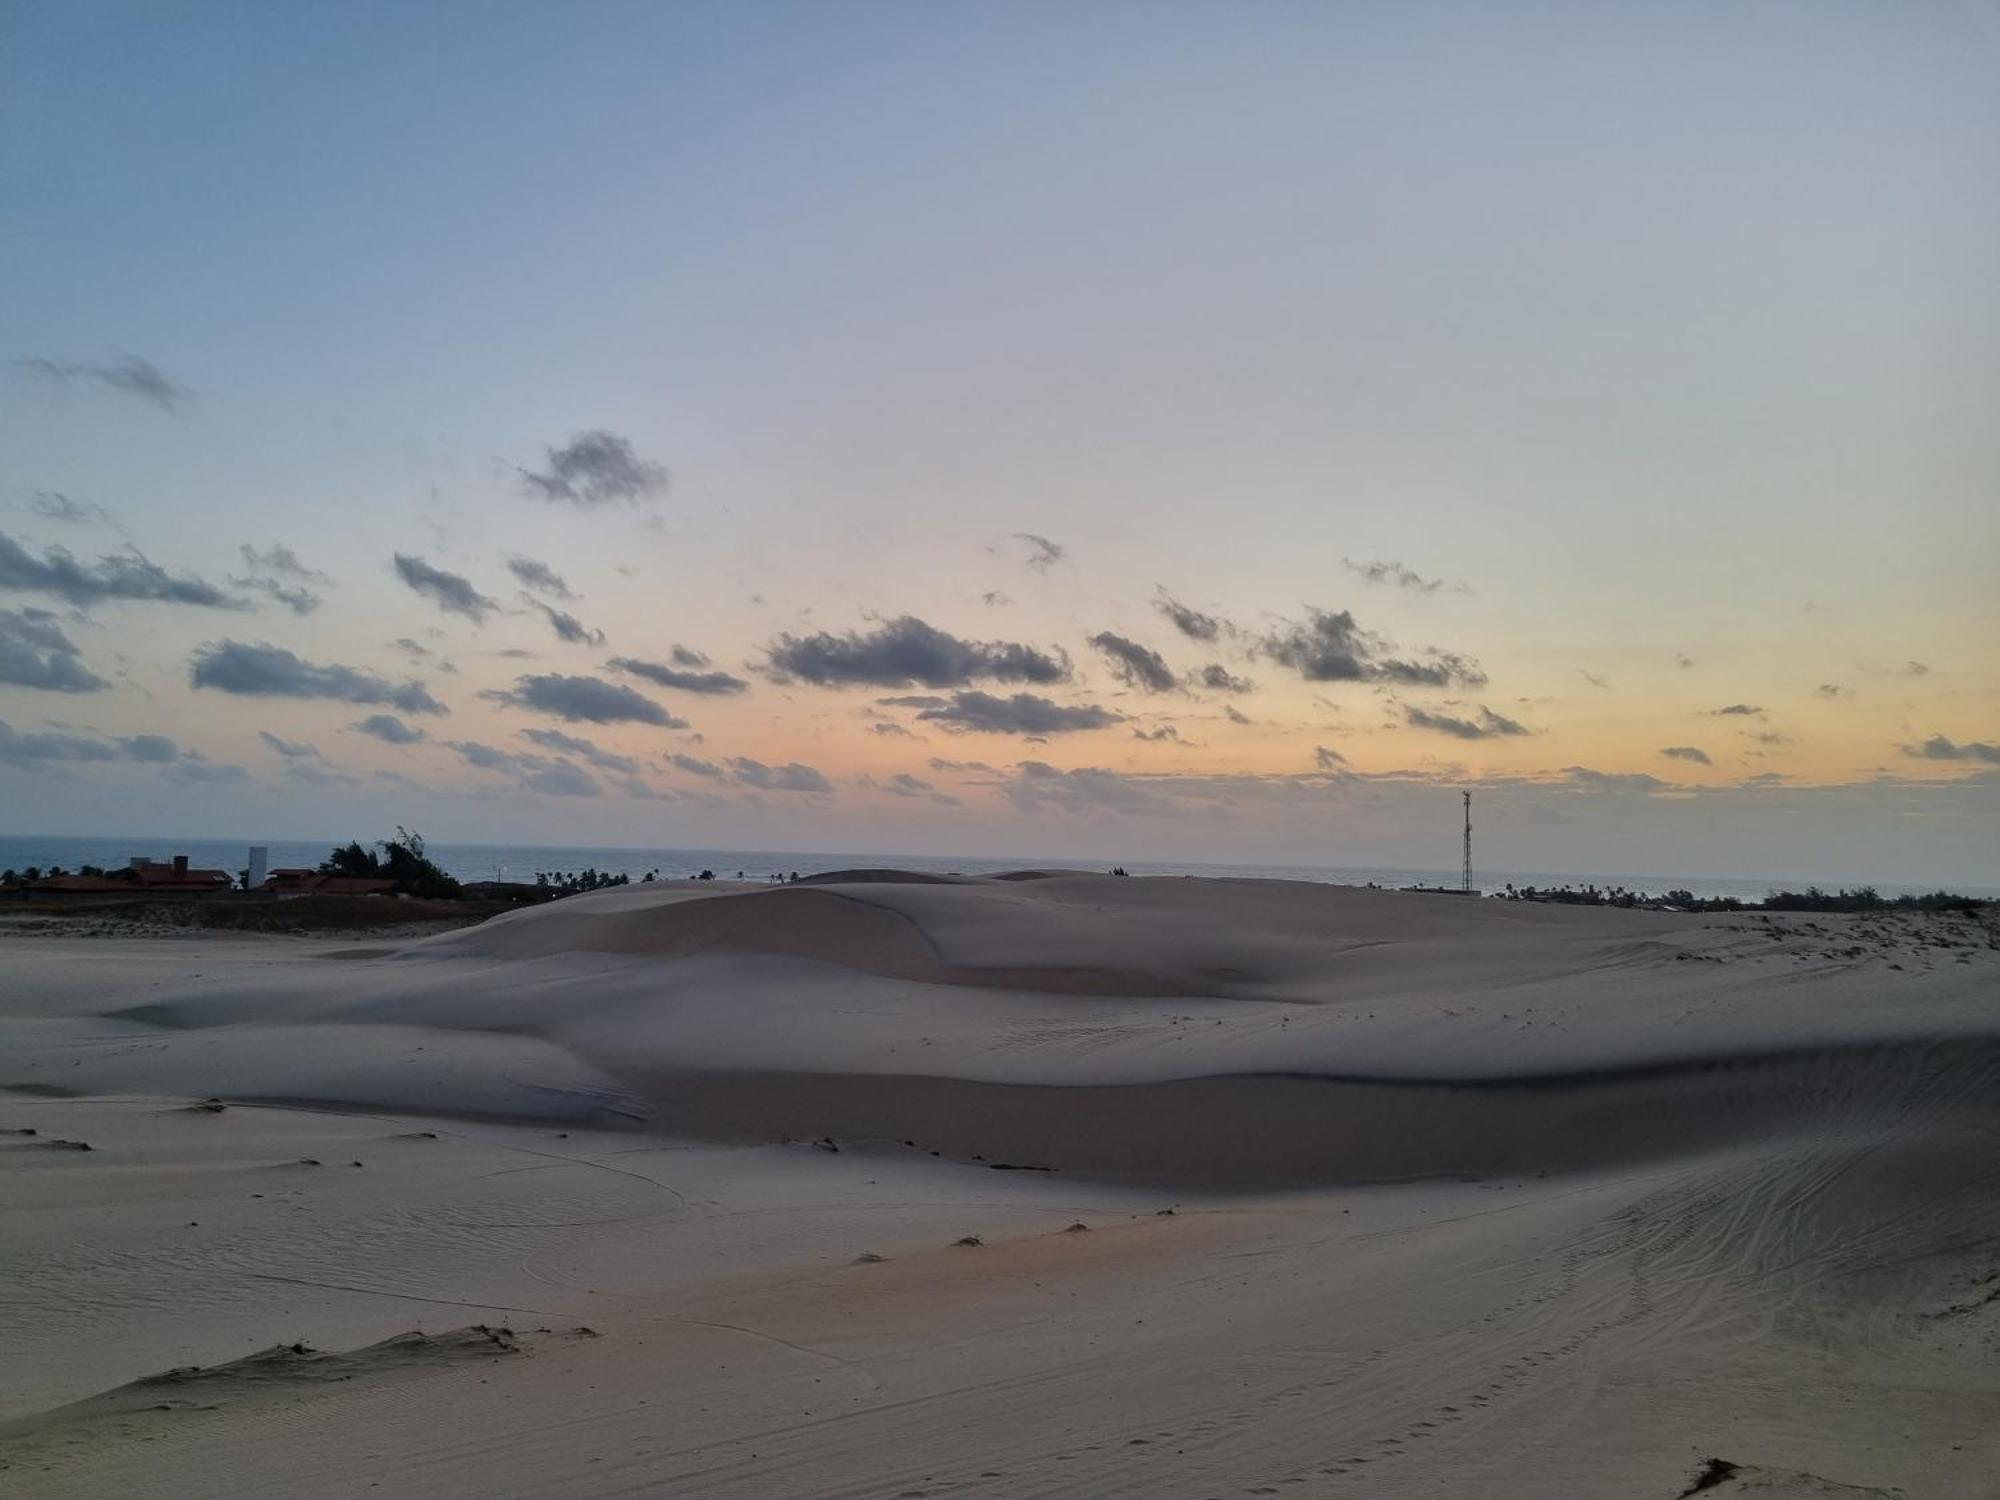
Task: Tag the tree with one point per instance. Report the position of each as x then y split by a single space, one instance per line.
402 860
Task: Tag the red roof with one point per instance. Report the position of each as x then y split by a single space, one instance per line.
152 875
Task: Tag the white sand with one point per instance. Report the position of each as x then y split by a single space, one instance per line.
1470 1198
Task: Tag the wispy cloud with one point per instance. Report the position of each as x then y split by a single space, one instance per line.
589 700
1395 573
596 468
262 670
448 591
1331 647
792 777
1691 753
1189 621
1488 725
389 729
907 652
539 576
117 575
568 627
127 375
1937 747
714 684
1023 713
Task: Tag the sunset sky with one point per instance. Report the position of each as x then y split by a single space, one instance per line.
1150 431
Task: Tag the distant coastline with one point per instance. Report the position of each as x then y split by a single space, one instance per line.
471 861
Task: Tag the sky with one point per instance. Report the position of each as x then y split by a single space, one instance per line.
1169 431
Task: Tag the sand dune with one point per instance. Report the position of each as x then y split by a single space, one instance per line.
1466 1198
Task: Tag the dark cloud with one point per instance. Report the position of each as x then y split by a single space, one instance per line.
266 671
938 763
404 643
1234 714
1326 758
686 656
116 575
1135 665
389 729
994 599
907 652
1043 554
1771 737
290 749
1593 679
1915 669
1166 734
569 744
1937 747
596 468
1219 679
154 748
1038 787
533 773
283 562
1330 647
1743 710
589 700
35 653
1830 690
128 375
1395 573
449 592
1613 781
1690 753
1489 725
890 726
1190 622
715 684
52 505
695 766
568 627
539 576
786 778
903 784
37 751
1023 713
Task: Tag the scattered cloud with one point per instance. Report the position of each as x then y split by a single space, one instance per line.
1189 621
890 726
279 574
1166 734
1234 714
589 700
38 750
262 670
290 749
128 375
596 468
1135 665
1023 713
52 505
539 577
1488 725
906 652
1327 759
1219 679
1330 647
1038 787
1683 661
792 777
1744 710
207 773
532 773
1937 747
568 627
686 656
389 729
35 653
695 766
126 574
1613 781
1043 554
1830 690
715 684
1395 573
1915 669
1691 753
960 767
448 591
1593 679
569 744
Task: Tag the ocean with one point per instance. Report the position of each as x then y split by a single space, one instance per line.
524 861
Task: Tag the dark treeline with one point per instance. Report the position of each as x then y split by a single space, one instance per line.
402 860
1862 899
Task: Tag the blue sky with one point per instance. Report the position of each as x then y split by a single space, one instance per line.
1649 334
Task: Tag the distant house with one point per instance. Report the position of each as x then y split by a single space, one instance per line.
176 878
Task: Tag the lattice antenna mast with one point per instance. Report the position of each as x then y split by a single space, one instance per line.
1465 875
